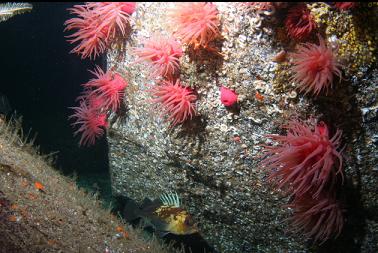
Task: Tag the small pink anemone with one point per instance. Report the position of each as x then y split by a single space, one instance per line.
319 219
299 22
107 88
314 67
228 97
306 160
163 54
92 123
97 24
196 23
175 101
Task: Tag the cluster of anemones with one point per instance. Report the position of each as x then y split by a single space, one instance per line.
307 165
101 94
97 24
195 24
174 100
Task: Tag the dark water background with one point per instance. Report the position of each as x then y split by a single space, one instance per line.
41 79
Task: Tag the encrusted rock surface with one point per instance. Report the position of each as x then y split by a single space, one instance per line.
212 160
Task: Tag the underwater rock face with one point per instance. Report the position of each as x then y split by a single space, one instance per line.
43 211
212 161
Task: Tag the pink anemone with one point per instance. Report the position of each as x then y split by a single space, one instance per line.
299 22
306 160
319 219
314 67
92 123
96 25
175 101
107 87
162 54
196 23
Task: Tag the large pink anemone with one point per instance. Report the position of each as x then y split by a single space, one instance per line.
314 67
97 24
319 219
162 54
196 23
107 87
175 101
92 123
306 160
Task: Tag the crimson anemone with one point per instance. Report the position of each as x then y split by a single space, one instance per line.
345 5
92 123
306 160
319 219
299 22
175 101
314 67
107 87
162 54
96 24
196 23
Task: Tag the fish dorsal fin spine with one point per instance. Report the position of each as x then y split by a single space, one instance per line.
170 199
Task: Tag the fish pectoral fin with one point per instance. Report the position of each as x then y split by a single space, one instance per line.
145 222
159 224
161 233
